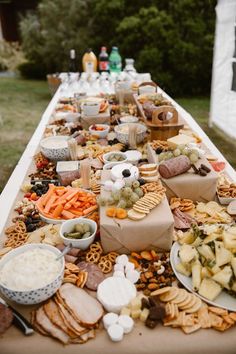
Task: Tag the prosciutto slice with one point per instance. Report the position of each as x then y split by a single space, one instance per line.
182 220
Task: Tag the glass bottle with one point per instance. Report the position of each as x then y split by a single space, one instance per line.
115 62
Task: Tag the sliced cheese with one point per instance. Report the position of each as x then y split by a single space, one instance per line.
114 293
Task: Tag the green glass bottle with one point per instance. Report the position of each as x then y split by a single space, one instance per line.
115 62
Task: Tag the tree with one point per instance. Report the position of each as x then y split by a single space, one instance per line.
171 39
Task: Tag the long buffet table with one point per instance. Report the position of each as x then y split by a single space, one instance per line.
141 340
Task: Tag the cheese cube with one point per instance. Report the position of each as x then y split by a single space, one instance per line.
125 311
144 315
135 314
135 304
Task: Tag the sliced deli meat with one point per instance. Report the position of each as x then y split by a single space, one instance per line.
49 327
182 220
52 311
6 318
69 319
83 307
95 275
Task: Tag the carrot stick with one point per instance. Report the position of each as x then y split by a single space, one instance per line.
58 202
58 210
67 214
48 195
72 195
49 203
89 210
76 205
65 195
69 204
75 212
60 192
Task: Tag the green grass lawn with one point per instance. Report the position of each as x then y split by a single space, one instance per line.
22 103
199 109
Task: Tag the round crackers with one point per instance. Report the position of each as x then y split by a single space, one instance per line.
136 215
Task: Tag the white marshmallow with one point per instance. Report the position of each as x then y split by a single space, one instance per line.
119 274
115 332
129 266
110 319
119 267
126 322
108 185
122 259
133 276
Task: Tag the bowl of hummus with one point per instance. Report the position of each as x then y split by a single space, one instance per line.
31 273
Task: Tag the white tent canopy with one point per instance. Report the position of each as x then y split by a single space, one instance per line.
223 91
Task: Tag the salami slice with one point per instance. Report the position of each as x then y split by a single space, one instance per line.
95 275
6 318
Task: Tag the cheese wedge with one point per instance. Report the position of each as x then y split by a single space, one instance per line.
180 139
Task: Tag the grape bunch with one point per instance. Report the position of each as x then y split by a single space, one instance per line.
192 154
125 197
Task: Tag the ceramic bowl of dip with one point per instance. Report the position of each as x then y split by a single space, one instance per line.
122 132
31 274
91 108
55 148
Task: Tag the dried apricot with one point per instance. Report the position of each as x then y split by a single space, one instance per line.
111 212
121 213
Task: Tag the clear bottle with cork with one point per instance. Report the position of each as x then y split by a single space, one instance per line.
89 62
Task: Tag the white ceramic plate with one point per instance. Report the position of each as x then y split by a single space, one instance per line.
223 300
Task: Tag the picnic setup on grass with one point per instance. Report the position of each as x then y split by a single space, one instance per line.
118 226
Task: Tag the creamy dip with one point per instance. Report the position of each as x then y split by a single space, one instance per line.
30 270
54 143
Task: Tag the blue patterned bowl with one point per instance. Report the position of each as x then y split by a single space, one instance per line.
31 297
55 147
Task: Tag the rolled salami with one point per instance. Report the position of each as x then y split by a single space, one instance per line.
174 167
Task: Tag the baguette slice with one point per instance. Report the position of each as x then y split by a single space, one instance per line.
151 179
148 167
149 173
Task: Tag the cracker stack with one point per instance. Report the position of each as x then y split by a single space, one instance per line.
188 312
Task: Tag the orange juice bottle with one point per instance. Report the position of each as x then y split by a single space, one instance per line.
89 62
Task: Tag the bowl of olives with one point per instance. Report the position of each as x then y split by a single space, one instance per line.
80 232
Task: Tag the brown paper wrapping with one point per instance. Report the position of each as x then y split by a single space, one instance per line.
141 340
192 186
123 236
